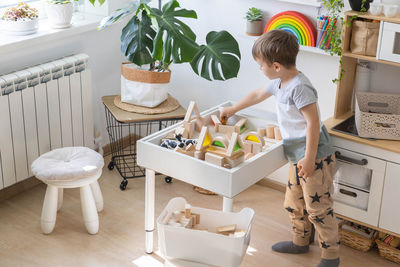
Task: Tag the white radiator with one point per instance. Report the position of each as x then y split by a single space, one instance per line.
42 108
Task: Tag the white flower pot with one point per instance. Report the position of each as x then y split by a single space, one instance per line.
254 28
20 27
59 15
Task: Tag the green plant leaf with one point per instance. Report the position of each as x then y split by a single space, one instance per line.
118 14
101 2
174 41
137 40
222 51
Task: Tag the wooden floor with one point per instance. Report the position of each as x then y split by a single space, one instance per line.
120 241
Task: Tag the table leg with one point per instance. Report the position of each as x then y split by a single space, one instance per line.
149 209
227 204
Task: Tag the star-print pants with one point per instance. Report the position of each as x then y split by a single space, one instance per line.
309 201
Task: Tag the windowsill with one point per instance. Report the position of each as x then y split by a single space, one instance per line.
87 22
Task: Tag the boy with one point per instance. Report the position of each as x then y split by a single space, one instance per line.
306 145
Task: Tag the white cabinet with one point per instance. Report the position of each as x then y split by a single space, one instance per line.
390 215
358 184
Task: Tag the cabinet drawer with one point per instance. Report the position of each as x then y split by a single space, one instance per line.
351 196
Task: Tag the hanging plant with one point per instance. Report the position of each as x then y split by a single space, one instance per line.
334 10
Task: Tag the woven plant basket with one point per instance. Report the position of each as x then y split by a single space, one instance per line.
356 241
388 252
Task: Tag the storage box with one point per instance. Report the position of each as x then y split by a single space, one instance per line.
364 38
204 246
377 115
351 196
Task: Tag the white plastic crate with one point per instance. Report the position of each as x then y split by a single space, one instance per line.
204 246
377 115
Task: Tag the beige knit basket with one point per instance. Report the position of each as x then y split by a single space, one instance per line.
377 115
388 252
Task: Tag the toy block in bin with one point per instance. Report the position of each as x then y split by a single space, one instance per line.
204 245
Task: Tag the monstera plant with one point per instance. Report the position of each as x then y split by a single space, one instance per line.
157 38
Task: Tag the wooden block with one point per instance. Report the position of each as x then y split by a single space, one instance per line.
187 211
270 131
248 147
182 131
262 132
199 155
232 143
277 133
216 122
214 159
256 148
204 139
189 153
188 115
253 137
190 148
226 228
226 129
239 125
248 155
236 159
189 128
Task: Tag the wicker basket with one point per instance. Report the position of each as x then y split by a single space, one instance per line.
388 252
355 241
377 115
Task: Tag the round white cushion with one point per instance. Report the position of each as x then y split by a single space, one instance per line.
67 164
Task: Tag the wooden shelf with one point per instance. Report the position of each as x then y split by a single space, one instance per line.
371 59
367 15
389 145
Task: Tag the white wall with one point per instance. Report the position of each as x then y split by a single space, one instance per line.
103 49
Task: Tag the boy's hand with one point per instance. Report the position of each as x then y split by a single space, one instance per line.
226 113
306 167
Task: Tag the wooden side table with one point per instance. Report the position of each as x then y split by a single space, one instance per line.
125 128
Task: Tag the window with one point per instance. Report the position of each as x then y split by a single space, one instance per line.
8 3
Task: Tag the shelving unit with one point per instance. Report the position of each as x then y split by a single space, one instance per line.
387 152
345 86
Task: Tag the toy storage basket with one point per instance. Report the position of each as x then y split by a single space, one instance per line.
377 115
388 252
355 241
204 246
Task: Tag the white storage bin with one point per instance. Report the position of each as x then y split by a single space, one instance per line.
204 246
351 196
377 115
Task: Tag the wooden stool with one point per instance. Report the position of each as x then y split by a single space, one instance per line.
70 167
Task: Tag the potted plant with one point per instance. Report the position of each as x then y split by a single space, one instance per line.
154 38
20 20
254 25
59 13
360 5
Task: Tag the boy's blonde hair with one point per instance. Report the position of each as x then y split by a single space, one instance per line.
277 46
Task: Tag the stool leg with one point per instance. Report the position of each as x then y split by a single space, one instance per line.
60 198
98 196
89 211
49 210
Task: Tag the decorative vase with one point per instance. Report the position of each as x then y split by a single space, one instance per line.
254 28
356 4
143 87
19 27
59 15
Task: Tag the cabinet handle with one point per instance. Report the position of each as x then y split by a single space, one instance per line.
361 162
346 192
